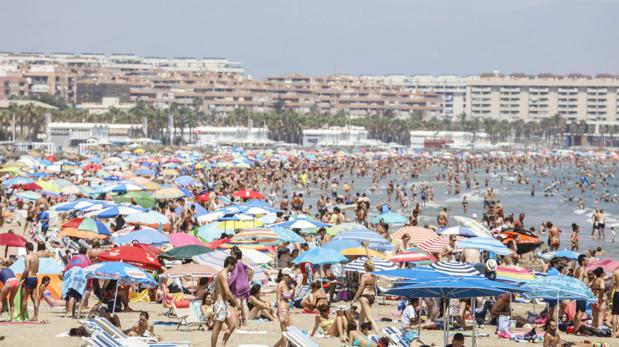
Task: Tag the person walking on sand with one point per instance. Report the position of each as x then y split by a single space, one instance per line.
223 300
29 281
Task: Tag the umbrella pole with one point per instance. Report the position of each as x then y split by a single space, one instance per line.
115 297
446 321
473 302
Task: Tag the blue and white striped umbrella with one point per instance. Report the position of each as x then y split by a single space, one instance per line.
488 244
113 211
559 287
455 268
216 260
375 241
380 264
566 253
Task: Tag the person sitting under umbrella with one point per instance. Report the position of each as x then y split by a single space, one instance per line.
142 327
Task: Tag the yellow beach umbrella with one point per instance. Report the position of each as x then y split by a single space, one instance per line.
360 251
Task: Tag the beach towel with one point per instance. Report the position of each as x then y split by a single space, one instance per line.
17 303
74 279
140 297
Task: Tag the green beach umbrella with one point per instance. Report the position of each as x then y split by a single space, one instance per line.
142 198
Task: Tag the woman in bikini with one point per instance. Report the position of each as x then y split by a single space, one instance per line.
598 287
366 294
316 298
360 338
257 306
283 294
335 327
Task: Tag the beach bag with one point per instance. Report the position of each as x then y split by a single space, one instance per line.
503 323
588 331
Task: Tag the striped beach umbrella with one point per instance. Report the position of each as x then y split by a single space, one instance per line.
216 260
477 227
417 234
413 255
190 270
457 230
374 239
559 287
261 236
455 268
513 274
361 251
380 264
85 228
436 244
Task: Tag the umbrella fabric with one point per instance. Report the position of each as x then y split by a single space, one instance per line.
17 181
71 190
31 186
185 181
559 288
374 239
182 239
141 198
168 193
436 244
47 266
212 232
513 274
320 256
199 210
609 265
216 260
390 218
185 252
256 256
126 187
566 253
85 228
361 251
485 243
125 274
147 218
420 274
28 195
413 255
303 224
380 264
455 268
458 230
190 269
448 289
114 211
248 194
417 234
145 236
12 240
477 227
340 245
135 254
338 228
258 236
203 197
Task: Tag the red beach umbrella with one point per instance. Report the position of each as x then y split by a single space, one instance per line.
135 253
248 194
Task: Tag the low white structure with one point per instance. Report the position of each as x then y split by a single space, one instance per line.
66 134
450 139
349 136
232 135
106 104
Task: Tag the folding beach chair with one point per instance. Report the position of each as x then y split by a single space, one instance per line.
114 332
395 336
298 339
190 317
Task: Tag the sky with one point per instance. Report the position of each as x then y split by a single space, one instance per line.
323 37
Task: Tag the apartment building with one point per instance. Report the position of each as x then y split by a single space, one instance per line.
575 97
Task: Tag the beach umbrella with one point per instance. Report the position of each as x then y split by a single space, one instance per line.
113 211
565 253
374 240
75 205
320 256
361 251
413 255
457 230
185 181
144 236
17 181
455 268
513 274
342 244
216 260
126 187
169 172
211 232
267 237
185 252
190 270
380 264
609 265
123 273
436 244
338 228
144 172
31 186
199 210
257 257
485 243
168 193
559 287
248 194
390 218
47 266
71 190
29 195
477 227
182 239
10 239
305 225
150 186
417 234
147 218
141 198
203 197
85 228
133 253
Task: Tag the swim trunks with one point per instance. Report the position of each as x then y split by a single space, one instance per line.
31 283
220 308
12 283
615 310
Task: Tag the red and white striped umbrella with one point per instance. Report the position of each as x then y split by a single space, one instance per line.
417 234
436 244
413 255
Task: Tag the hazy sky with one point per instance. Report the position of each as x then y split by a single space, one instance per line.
331 36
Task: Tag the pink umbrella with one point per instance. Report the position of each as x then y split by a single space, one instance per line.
182 239
609 265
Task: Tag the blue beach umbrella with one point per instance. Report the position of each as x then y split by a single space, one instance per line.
145 236
340 245
566 253
489 244
185 181
374 240
390 218
320 256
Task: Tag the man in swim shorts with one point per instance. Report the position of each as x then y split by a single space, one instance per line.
223 300
29 281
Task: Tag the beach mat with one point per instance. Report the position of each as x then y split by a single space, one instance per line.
23 323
